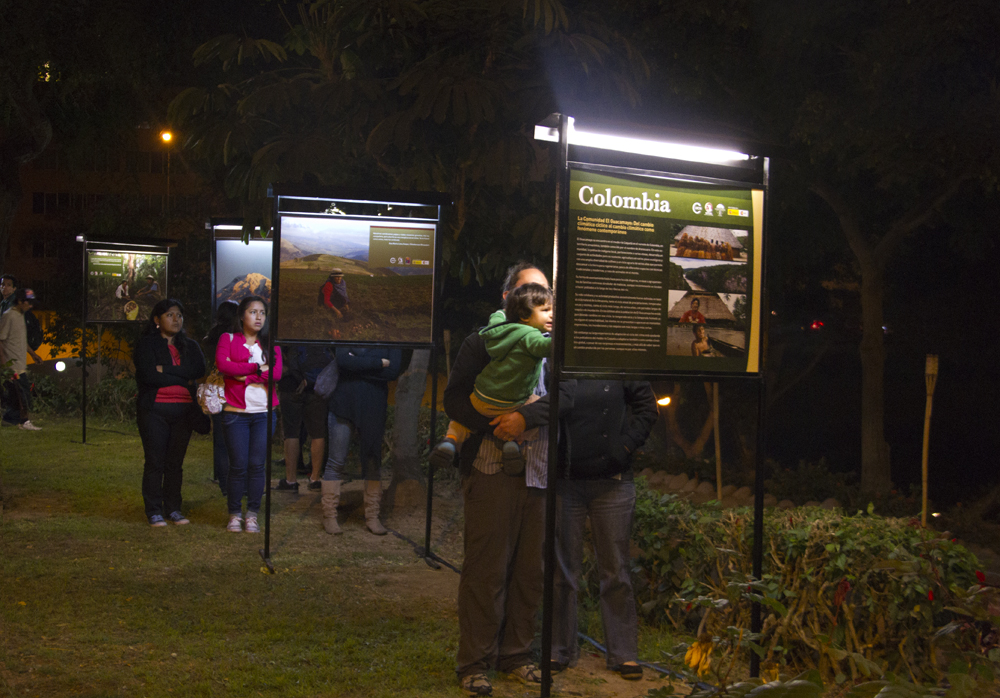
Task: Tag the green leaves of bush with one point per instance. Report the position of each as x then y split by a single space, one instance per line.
844 595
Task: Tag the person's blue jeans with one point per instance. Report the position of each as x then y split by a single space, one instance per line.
246 443
220 456
610 504
338 431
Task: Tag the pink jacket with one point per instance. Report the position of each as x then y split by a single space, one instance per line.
232 358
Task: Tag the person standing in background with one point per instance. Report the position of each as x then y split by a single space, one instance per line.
301 405
225 318
598 437
8 284
167 366
14 348
242 359
360 401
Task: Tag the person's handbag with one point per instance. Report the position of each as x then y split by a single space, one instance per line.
212 393
326 381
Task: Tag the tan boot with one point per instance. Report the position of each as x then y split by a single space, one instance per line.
373 500
330 500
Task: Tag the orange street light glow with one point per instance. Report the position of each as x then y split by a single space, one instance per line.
167 136
663 401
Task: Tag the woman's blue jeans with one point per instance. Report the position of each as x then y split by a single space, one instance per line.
338 431
246 443
610 504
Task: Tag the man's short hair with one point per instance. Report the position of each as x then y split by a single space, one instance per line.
513 272
524 299
10 278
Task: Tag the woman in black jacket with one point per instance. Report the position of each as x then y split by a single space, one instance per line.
608 421
167 365
359 402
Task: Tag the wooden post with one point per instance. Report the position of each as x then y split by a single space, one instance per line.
930 379
718 450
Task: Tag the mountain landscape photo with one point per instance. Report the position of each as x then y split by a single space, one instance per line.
252 284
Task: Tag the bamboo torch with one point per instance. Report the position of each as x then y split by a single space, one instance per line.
930 378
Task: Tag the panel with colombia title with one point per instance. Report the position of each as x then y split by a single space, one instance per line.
664 274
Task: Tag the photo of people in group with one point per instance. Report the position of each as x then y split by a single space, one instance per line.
708 259
706 324
353 279
123 286
242 269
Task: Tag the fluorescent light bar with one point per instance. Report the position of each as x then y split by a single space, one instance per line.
640 146
233 227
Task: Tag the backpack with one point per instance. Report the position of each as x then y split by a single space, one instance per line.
35 336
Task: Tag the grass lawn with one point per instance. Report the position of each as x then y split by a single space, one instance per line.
95 602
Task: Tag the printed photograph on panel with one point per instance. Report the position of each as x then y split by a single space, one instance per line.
242 270
124 286
706 324
355 280
708 259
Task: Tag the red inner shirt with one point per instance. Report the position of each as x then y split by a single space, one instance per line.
174 393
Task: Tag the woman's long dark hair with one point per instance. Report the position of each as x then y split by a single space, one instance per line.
180 339
225 315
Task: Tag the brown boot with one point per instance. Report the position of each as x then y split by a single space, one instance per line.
373 499
330 500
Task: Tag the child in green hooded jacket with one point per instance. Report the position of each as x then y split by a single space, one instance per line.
516 347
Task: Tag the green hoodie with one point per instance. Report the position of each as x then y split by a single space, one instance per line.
516 351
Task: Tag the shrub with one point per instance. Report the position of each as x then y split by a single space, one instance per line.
811 482
833 586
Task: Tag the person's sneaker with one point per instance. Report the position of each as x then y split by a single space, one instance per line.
476 685
315 485
527 674
156 521
251 526
513 459
286 486
442 456
28 426
235 523
177 518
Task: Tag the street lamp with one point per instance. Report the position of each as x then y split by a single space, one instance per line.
167 137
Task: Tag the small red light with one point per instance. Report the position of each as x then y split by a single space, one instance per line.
816 324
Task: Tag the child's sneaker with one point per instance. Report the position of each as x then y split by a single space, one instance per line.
443 454
286 486
513 459
235 524
251 525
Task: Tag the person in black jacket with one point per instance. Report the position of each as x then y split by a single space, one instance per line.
607 422
167 365
359 401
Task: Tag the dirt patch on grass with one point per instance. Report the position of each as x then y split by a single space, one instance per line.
35 506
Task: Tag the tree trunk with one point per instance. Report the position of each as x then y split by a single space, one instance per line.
407 489
876 474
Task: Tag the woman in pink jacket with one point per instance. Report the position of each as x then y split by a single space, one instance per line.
241 357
